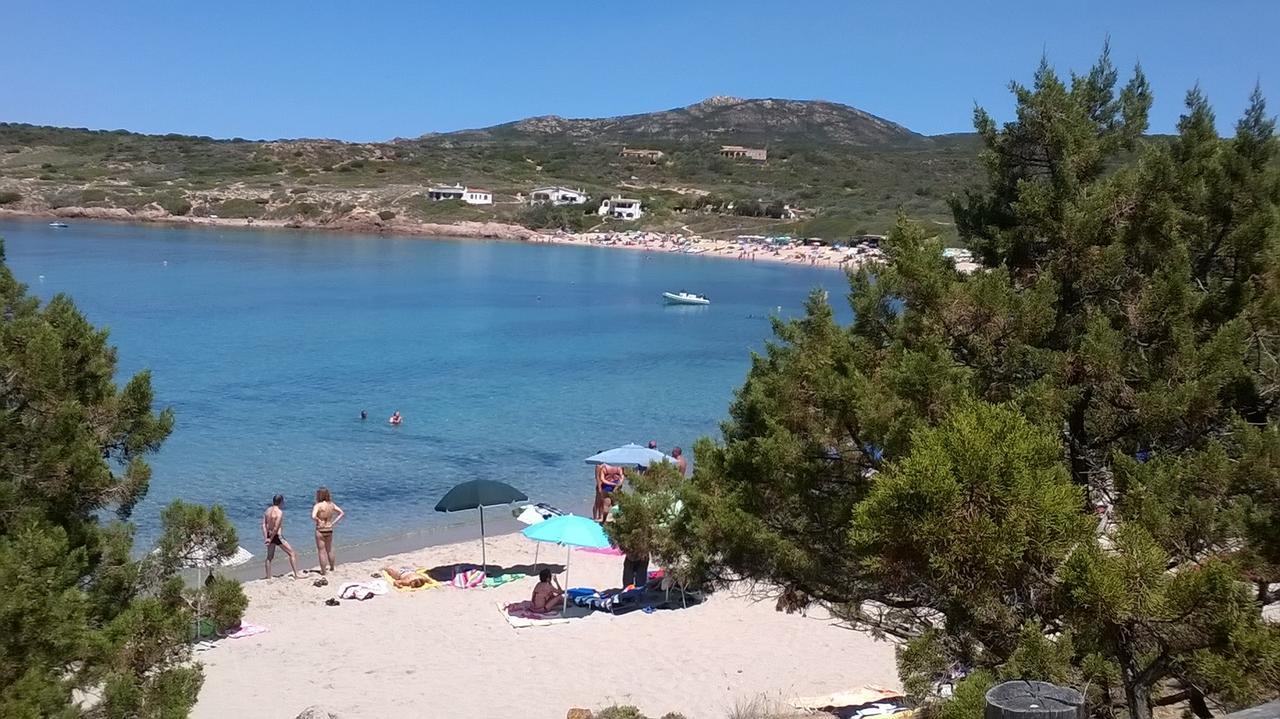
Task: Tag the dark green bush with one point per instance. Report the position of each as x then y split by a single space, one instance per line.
8 197
224 602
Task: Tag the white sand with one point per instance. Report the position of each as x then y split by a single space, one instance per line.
448 652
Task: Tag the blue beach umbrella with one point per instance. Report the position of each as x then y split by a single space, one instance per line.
571 531
629 454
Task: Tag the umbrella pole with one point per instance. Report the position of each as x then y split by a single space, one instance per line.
484 564
568 555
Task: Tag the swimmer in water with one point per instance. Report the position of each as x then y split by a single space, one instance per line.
364 415
396 418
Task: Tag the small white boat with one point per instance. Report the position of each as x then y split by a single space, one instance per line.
58 224
685 298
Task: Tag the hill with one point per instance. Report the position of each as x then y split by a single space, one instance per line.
841 170
718 119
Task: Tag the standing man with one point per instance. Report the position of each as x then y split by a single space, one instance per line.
272 527
682 464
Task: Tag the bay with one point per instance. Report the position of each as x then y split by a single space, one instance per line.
508 360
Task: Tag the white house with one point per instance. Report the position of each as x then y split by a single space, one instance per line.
469 195
475 196
446 192
620 208
557 196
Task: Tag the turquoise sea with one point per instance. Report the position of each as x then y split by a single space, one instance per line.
508 360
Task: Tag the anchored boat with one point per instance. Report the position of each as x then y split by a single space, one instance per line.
685 298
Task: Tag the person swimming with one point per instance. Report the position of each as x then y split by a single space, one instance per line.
364 415
396 419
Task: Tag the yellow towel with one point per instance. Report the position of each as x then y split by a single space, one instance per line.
421 571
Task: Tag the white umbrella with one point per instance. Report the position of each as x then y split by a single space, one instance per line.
198 557
531 514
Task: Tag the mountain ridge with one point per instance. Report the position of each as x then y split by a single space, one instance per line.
720 118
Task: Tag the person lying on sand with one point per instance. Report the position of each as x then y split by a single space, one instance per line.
547 594
406 577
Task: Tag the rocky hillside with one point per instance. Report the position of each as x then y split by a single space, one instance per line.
718 119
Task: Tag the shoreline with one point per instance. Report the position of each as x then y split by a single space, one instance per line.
465 529
368 223
413 653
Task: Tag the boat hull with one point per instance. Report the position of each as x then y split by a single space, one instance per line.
675 299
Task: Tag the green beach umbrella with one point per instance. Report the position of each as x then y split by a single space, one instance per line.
478 494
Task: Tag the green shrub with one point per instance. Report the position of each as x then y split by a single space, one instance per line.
9 197
238 207
224 602
92 194
385 215
175 205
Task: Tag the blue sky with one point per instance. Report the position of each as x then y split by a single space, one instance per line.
376 70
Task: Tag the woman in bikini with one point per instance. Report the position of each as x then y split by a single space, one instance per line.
326 515
611 478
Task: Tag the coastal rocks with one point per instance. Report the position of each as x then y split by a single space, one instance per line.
359 220
94 213
316 712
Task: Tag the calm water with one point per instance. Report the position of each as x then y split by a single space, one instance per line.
508 361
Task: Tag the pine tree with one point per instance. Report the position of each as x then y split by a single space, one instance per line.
85 628
1063 466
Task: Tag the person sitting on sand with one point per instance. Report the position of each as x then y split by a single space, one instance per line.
547 594
396 418
406 577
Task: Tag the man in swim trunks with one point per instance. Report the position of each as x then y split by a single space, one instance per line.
406 577
547 594
272 528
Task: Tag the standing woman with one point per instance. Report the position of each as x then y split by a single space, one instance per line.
326 515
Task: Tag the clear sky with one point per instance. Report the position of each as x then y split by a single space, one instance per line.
380 69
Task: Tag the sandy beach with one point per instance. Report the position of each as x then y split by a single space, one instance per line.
450 652
364 222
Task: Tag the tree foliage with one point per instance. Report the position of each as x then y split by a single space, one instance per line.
85 628
1063 466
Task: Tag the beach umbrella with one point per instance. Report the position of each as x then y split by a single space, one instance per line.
629 454
478 494
570 531
532 514
199 556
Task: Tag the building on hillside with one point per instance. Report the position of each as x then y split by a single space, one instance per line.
476 196
556 196
738 152
650 155
469 195
620 208
446 192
